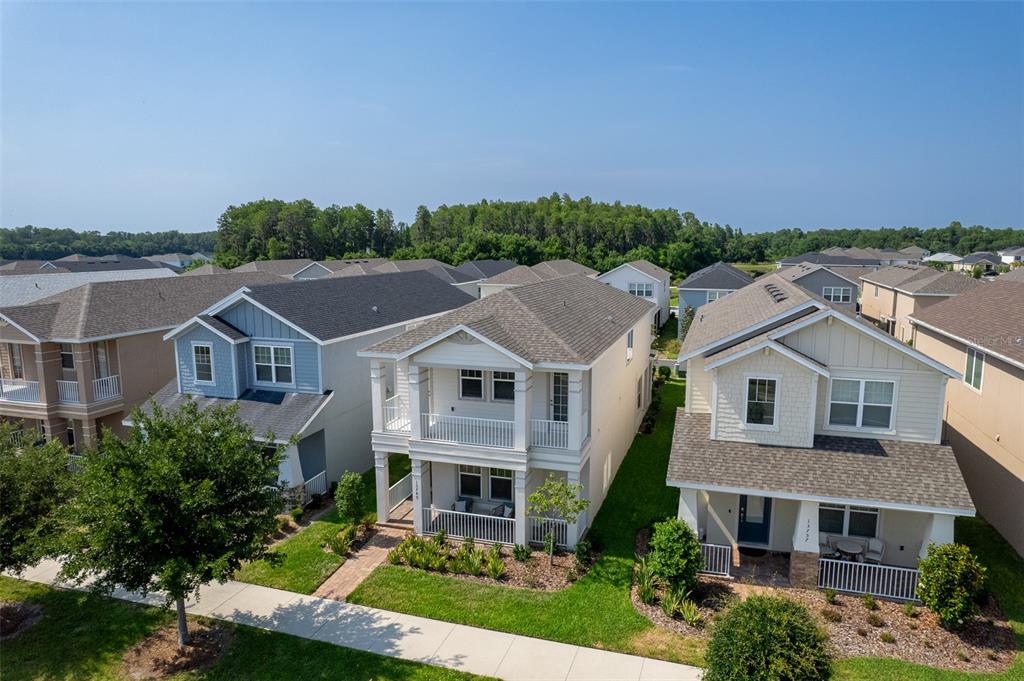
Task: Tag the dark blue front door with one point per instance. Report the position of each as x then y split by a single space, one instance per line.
755 519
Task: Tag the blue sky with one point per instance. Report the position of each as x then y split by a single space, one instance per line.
158 116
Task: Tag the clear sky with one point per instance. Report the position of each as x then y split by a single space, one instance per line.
158 116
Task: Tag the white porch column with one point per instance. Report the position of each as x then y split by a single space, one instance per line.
419 402
575 409
417 496
805 531
523 409
378 385
688 509
380 467
938 531
519 490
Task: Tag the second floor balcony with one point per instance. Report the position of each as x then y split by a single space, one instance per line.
61 391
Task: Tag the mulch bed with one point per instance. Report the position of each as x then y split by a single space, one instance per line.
158 656
17 616
536 572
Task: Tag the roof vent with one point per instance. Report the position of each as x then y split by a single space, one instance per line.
777 294
374 308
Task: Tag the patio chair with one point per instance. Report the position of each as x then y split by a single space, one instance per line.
875 552
825 547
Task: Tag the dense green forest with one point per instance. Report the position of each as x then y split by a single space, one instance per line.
43 243
601 235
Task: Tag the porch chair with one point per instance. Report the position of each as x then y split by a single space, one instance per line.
825 547
875 552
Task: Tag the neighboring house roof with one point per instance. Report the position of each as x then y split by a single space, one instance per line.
980 256
205 269
114 308
482 269
517 276
828 259
563 268
1015 274
938 284
882 473
544 271
914 251
645 267
943 257
1016 250
282 413
439 269
77 263
177 259
282 268
720 276
798 272
987 316
333 266
222 327
28 288
853 273
894 275
567 320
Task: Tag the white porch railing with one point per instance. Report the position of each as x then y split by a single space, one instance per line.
538 527
468 431
399 492
76 463
18 390
315 485
717 559
396 415
106 388
886 581
487 528
67 391
554 434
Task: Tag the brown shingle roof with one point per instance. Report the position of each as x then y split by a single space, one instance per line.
840 468
650 269
282 268
204 269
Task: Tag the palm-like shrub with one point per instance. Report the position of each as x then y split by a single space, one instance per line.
951 579
646 581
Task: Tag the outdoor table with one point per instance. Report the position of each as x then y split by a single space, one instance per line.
849 548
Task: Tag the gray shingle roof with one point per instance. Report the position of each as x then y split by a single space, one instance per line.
28 288
542 271
439 269
840 468
78 263
1015 274
828 259
563 268
566 320
223 327
915 279
981 256
282 268
481 269
717 276
205 269
1016 250
339 306
517 276
284 414
650 269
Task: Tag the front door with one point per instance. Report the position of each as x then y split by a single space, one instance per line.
755 519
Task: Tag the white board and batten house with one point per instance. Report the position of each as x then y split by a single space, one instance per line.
646 280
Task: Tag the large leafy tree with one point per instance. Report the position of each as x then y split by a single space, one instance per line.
182 501
34 483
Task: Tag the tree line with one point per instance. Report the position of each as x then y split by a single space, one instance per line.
45 243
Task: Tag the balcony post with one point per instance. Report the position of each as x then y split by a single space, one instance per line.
419 402
417 495
519 493
523 409
48 371
378 384
90 433
575 409
380 467
84 372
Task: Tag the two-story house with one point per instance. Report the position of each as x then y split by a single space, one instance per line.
710 283
81 359
645 279
549 378
981 334
522 274
285 355
811 434
839 288
893 294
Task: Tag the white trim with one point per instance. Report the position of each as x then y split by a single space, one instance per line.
20 328
841 290
195 370
827 425
847 509
772 345
987 351
967 355
243 294
296 274
314 415
635 269
504 380
177 366
744 424
923 295
196 320
483 385
711 289
458 482
450 332
490 485
375 329
752 329
895 344
826 268
273 345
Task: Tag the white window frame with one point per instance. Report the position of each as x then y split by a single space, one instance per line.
641 289
479 473
195 365
978 356
718 294
70 352
483 383
273 364
496 473
629 345
860 405
845 294
774 427
847 509
495 380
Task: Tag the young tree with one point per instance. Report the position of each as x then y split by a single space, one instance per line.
180 502
554 499
34 483
350 496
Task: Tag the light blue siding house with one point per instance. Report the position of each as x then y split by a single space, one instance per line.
711 283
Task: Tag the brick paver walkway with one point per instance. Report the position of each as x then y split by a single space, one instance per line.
357 568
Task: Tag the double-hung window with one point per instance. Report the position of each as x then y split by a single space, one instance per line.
858 403
471 384
715 295
641 290
501 484
470 479
273 364
975 366
503 386
67 356
761 403
202 362
849 521
629 345
837 294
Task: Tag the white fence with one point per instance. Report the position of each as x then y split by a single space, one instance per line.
315 485
468 431
67 391
537 527
399 492
462 525
17 390
106 388
396 415
554 434
717 559
886 581
76 463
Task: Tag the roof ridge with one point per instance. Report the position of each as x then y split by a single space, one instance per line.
83 309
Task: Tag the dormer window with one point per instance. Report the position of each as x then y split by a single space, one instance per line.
837 294
202 362
273 364
855 403
761 402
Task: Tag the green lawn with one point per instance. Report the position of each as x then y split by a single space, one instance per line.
82 636
673 296
667 342
755 269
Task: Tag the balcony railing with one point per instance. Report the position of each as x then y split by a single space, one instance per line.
106 388
460 525
315 485
717 559
468 431
18 390
67 391
396 415
76 463
399 492
538 527
886 581
554 434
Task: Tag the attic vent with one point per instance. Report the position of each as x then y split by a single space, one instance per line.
374 308
775 292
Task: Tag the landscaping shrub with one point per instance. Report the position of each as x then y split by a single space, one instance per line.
646 581
521 552
875 620
284 521
672 600
886 637
909 610
767 638
951 579
664 373
831 615
296 513
495 564
869 602
690 613
349 497
830 596
467 559
675 553
583 552
341 543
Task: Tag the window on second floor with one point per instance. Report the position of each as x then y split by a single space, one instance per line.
471 384
761 402
641 289
975 366
876 290
273 364
629 345
858 403
17 361
837 294
67 356
202 362
849 521
715 295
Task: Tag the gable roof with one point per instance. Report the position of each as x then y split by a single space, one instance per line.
567 320
644 267
28 288
78 263
720 275
544 271
828 259
563 268
797 272
439 269
481 269
943 257
282 268
980 256
987 316
920 280
1015 250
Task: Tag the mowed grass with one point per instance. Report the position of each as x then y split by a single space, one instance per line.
673 296
667 342
596 611
82 636
755 269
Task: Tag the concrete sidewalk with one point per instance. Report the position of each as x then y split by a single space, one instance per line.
469 649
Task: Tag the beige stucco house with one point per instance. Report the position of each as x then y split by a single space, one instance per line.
892 294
